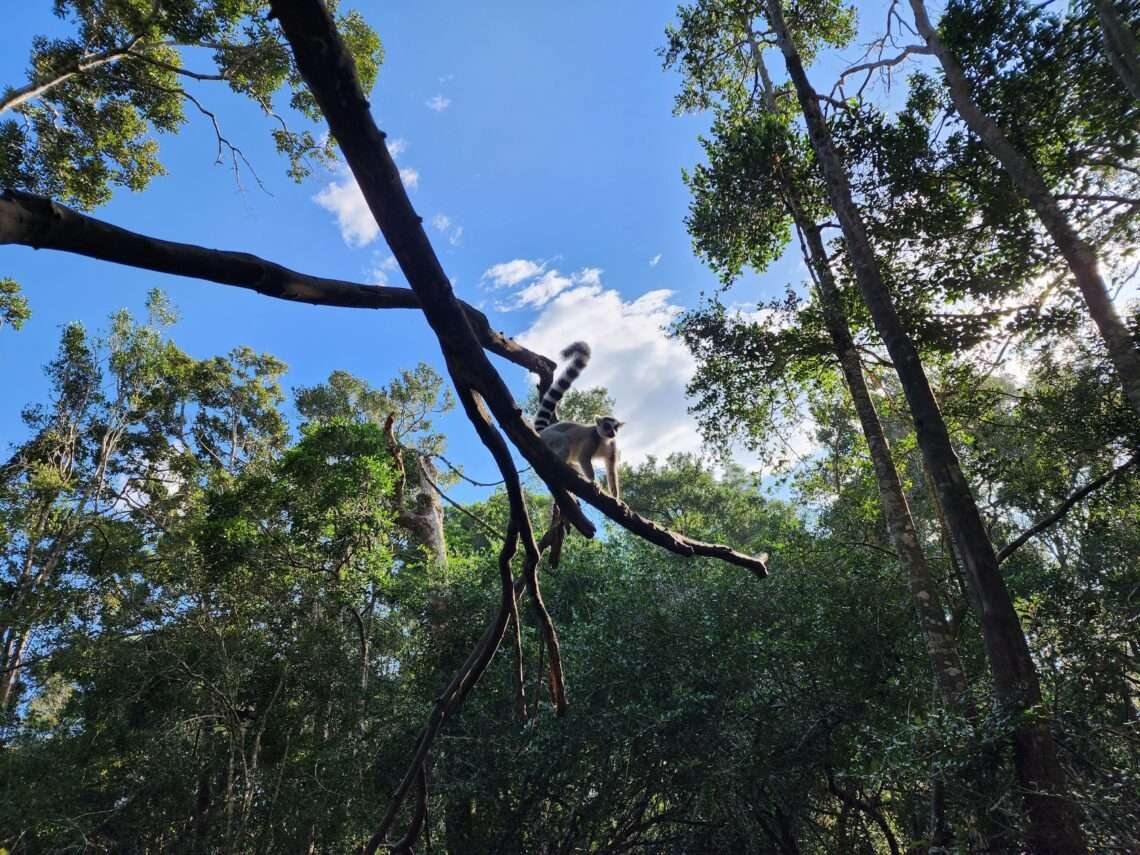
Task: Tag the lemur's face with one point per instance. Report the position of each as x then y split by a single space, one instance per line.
608 426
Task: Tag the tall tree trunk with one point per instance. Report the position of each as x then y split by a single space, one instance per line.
1052 826
427 510
941 645
1119 46
1078 253
424 521
15 642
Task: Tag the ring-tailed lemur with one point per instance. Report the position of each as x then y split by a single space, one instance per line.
580 351
575 443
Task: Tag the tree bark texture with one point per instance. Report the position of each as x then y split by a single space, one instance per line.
1119 46
941 645
1053 827
1079 255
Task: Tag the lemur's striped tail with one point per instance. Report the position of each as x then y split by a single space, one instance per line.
580 351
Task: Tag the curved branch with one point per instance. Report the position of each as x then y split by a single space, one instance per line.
880 63
36 221
1065 507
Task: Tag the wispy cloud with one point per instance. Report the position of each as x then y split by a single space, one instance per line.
410 177
510 273
540 285
397 146
379 272
342 198
653 262
541 291
438 103
451 230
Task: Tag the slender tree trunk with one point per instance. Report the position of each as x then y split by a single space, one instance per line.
14 645
1119 46
1053 827
1081 257
941 644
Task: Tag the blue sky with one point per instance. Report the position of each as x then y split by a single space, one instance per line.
539 145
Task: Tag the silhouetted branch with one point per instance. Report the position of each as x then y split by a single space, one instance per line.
40 223
329 72
1065 507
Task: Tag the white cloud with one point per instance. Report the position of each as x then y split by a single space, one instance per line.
344 200
450 229
438 103
509 273
378 272
410 177
543 290
397 146
643 369
653 262
540 285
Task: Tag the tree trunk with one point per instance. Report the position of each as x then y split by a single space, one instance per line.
15 642
1119 46
1080 255
941 644
427 510
1052 824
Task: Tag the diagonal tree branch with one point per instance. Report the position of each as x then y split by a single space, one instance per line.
30 220
329 71
330 74
40 223
14 98
1065 506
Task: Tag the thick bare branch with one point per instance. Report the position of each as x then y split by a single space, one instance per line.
40 223
328 69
